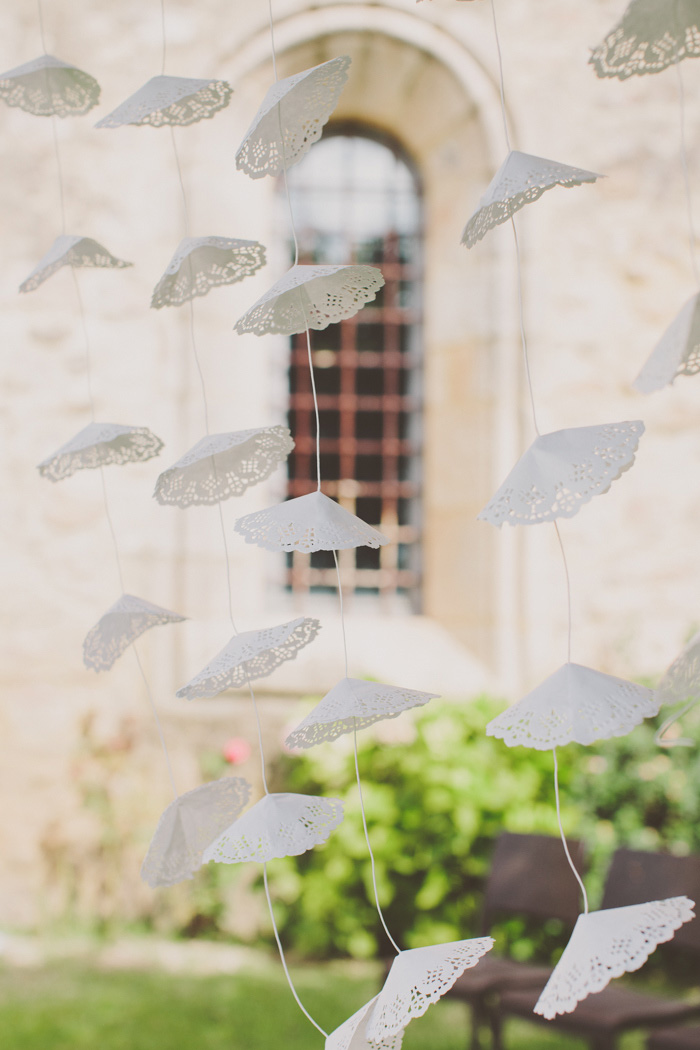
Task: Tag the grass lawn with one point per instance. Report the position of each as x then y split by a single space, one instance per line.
69 1006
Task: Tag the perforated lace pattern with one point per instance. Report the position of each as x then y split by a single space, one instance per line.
122 624
99 445
352 1034
562 471
606 944
301 105
520 180
203 263
188 826
574 704
313 297
283 825
417 979
223 465
164 100
251 655
681 681
48 87
650 36
354 704
676 354
71 251
308 523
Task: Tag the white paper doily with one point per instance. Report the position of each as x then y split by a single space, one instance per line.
520 180
223 465
122 624
563 470
308 523
167 100
282 825
71 251
188 826
417 979
354 704
606 944
574 704
300 105
352 1034
676 354
251 655
48 87
651 35
311 297
98 445
681 681
203 263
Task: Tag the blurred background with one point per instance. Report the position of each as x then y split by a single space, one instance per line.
423 412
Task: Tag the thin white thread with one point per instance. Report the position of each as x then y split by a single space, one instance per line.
342 611
60 173
563 836
155 715
313 390
369 845
500 74
41 26
181 180
682 741
521 309
284 961
162 25
568 586
260 739
88 364
686 176
279 123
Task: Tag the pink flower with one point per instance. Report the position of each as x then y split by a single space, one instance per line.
236 750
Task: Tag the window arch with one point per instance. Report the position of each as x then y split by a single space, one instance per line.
356 198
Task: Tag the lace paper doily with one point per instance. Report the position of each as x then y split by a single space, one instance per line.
223 465
606 944
311 297
520 180
574 704
203 263
70 251
352 1034
48 87
282 825
188 826
681 682
354 704
563 470
308 523
170 100
295 108
417 979
676 354
122 624
650 36
251 655
98 445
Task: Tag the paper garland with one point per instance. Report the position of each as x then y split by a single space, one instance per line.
606 944
174 101
223 465
308 523
203 263
68 250
352 1034
99 445
676 354
122 624
651 35
49 87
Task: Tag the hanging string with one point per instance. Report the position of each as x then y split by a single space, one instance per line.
563 836
164 37
500 74
342 611
568 588
61 192
686 175
41 26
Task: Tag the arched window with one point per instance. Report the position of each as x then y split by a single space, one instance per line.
356 199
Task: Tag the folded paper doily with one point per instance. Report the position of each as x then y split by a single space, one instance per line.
354 704
170 100
188 826
521 179
352 1034
311 297
251 655
417 979
98 445
681 681
223 465
563 470
281 825
70 251
202 263
122 624
48 87
676 354
651 35
308 523
574 704
291 118
606 944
